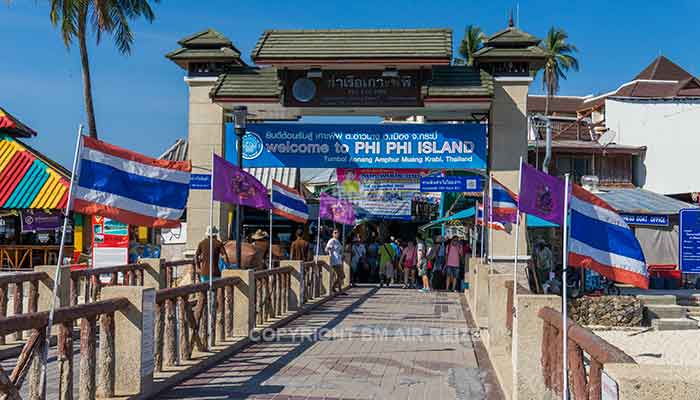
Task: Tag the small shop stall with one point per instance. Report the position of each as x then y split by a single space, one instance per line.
654 219
33 195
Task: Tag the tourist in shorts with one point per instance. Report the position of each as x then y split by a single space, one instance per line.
453 259
423 272
409 260
386 264
335 249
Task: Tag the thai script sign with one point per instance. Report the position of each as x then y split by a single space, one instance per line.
200 181
41 221
406 146
645 219
689 240
352 88
455 184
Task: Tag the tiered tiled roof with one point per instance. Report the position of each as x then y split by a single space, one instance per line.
248 82
208 45
458 81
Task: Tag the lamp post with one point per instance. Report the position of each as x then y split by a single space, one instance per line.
240 114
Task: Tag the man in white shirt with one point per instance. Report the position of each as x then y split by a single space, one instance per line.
335 249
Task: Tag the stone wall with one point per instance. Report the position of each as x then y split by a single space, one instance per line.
606 311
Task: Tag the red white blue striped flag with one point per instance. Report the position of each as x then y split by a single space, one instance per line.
129 187
288 203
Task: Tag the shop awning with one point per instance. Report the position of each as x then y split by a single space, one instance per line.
535 222
12 126
464 214
28 179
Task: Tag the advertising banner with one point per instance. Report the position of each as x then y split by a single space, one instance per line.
110 242
405 146
41 221
689 240
380 193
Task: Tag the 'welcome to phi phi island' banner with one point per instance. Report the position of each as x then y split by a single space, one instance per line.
295 145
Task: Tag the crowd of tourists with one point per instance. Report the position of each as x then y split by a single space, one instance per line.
413 263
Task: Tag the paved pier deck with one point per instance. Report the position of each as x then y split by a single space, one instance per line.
371 344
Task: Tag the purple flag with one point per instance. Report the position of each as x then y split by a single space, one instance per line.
541 195
337 210
233 185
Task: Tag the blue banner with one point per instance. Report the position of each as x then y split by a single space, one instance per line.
200 181
645 219
689 240
454 184
293 145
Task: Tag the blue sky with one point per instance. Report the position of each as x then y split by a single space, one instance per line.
141 100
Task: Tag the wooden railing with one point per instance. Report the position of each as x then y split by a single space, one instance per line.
94 381
311 272
16 282
24 256
89 280
170 269
581 342
272 293
177 336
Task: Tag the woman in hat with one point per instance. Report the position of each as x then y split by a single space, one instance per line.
262 246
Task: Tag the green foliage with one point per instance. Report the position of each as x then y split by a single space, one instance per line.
471 43
558 61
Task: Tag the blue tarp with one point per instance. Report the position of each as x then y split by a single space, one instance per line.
535 222
464 214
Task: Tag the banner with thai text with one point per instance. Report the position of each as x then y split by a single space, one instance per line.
405 146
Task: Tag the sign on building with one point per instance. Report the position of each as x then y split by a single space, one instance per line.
689 240
645 219
353 88
200 181
454 184
110 242
406 146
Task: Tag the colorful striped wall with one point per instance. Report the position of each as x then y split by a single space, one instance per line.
26 181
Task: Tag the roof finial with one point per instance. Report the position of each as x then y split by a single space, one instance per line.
510 19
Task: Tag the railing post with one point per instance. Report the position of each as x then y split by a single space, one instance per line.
46 287
183 309
153 273
134 335
17 305
293 295
65 361
159 325
170 330
326 271
105 383
220 320
244 300
3 307
228 300
88 357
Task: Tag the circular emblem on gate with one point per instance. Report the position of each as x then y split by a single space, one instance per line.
252 146
304 89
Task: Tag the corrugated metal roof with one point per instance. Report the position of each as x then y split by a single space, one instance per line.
26 181
354 43
285 176
640 201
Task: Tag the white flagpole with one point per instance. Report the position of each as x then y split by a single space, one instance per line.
483 222
59 263
318 229
517 231
270 250
210 308
490 222
564 312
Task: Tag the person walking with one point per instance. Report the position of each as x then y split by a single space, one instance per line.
408 260
422 268
300 250
335 249
357 257
453 259
544 262
201 256
398 269
386 264
373 260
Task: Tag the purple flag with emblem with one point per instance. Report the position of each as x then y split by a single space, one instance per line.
233 185
337 210
541 195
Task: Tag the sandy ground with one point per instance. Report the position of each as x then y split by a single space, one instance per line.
658 347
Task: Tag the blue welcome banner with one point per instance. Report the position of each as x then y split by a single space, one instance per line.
293 145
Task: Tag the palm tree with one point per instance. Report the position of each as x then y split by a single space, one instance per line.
472 42
559 60
75 18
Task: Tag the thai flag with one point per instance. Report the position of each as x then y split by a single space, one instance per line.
504 203
602 241
129 187
495 225
288 203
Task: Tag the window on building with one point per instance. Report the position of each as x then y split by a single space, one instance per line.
574 164
615 169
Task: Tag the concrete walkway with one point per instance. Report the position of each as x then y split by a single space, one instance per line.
371 344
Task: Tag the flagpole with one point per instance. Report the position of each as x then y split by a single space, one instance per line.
517 230
210 305
270 250
483 222
491 222
59 263
318 229
564 312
